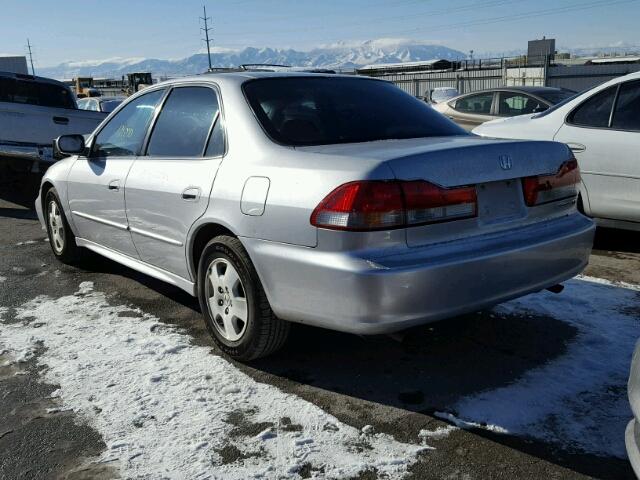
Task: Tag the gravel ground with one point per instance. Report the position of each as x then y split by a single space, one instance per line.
424 381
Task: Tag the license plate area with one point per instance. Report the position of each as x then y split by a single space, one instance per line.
500 202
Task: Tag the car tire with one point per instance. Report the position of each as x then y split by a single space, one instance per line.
61 237
234 305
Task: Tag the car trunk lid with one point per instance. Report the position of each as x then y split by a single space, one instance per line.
494 167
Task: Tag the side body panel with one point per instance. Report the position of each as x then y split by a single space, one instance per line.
164 197
96 201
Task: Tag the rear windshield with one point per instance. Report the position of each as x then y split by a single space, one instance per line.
320 111
556 97
556 106
35 93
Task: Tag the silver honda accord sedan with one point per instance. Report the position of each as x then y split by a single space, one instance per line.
335 201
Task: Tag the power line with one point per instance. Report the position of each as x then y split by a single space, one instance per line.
484 21
33 72
206 30
368 21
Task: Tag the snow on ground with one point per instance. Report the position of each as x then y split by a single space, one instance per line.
3 279
166 408
577 399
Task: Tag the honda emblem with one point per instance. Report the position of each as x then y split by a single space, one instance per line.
505 162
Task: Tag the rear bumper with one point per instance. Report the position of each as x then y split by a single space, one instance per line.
386 293
27 151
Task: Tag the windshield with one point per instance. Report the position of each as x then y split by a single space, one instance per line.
109 106
444 94
320 111
556 106
35 93
554 97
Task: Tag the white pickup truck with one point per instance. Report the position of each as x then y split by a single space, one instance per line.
33 112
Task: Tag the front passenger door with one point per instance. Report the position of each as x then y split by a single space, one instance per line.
168 188
96 182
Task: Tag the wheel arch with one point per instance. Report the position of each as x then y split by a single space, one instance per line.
199 239
583 199
44 188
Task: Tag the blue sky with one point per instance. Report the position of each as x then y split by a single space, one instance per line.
73 30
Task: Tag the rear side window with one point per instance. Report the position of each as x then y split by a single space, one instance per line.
184 123
35 93
330 110
480 104
627 113
596 111
125 132
512 104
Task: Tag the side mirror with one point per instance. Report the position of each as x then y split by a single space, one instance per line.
67 145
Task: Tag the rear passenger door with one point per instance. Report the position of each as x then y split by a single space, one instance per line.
168 187
604 133
472 110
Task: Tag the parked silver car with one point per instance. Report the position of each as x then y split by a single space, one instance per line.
288 197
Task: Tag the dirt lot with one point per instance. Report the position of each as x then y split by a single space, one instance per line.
95 384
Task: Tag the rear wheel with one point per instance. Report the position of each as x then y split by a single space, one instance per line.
234 304
61 238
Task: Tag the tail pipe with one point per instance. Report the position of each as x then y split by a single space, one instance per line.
557 288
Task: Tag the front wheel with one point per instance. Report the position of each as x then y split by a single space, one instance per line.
234 304
61 238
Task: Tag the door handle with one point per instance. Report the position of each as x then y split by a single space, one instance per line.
61 120
192 193
577 147
114 185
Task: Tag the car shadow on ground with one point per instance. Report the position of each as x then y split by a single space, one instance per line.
18 187
614 241
435 366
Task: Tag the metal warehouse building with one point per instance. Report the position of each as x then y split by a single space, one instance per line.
420 78
14 65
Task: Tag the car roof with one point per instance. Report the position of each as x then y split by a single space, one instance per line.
526 89
22 76
243 76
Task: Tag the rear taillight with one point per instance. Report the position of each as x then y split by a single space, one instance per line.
356 206
384 205
549 188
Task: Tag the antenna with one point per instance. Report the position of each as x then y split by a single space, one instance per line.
206 34
33 72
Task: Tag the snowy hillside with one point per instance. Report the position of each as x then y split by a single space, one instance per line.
339 55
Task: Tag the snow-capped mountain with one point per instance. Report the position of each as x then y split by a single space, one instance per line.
338 56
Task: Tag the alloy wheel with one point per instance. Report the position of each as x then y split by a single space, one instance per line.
56 227
227 299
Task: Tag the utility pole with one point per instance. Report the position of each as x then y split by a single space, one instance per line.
33 72
206 34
